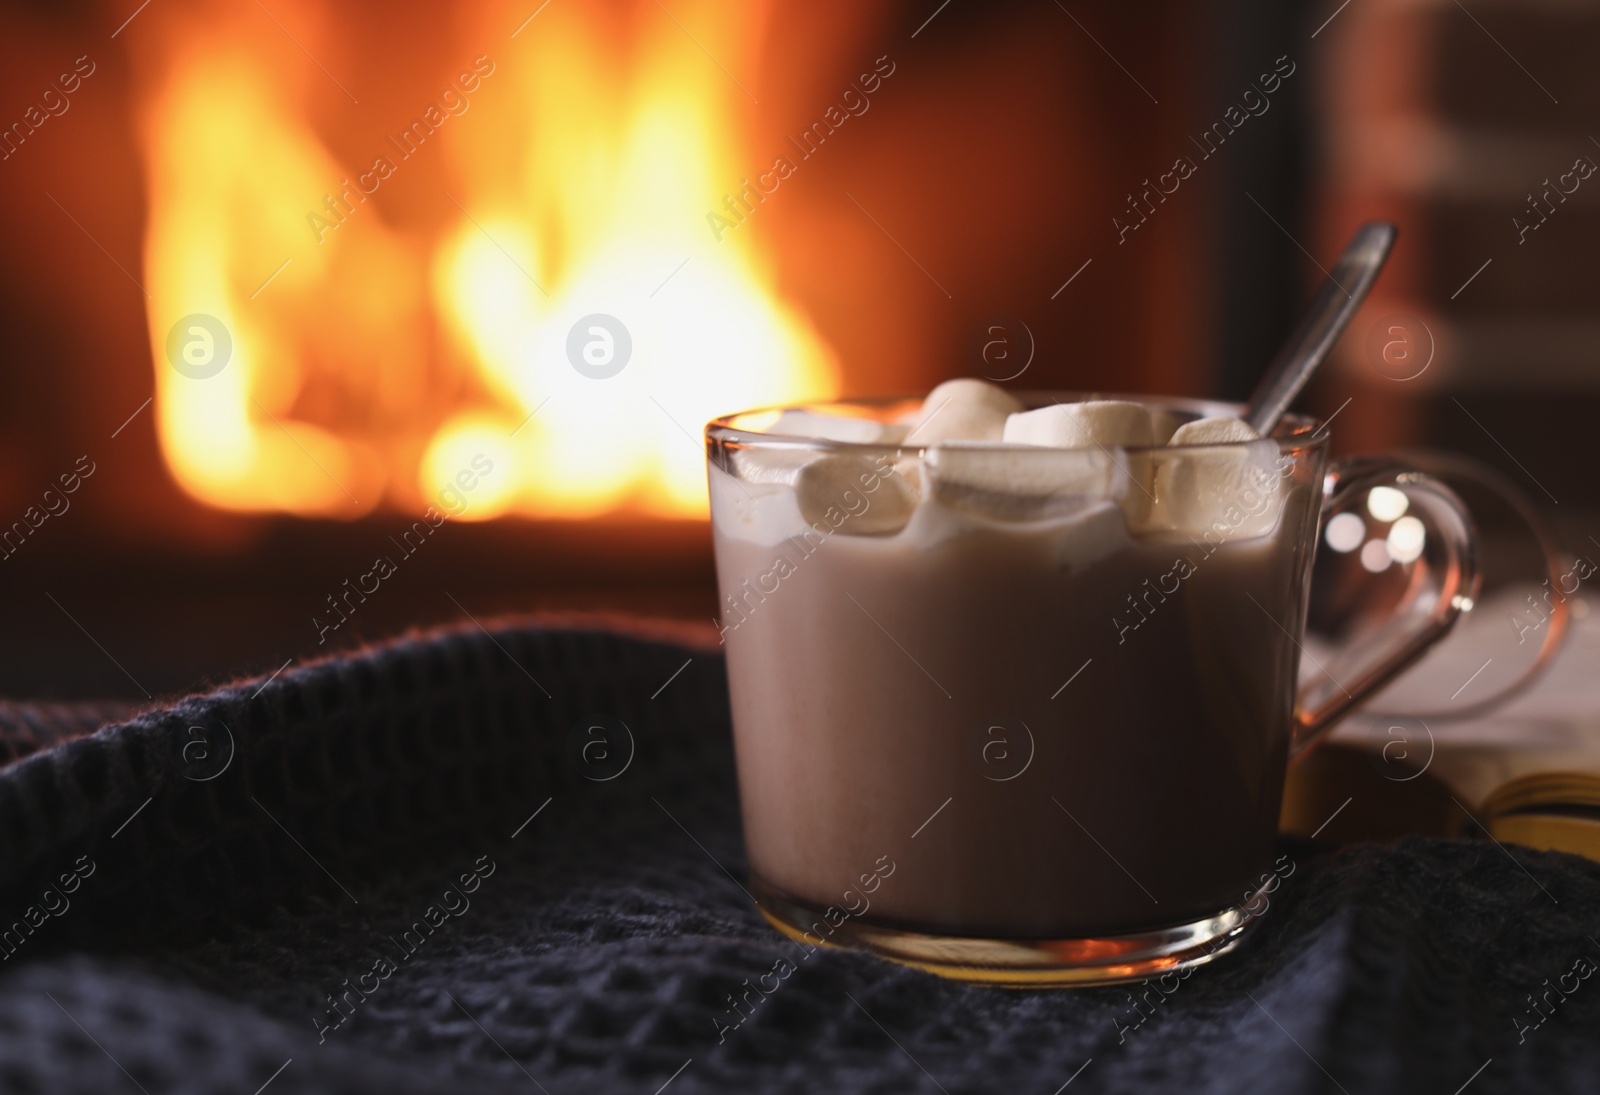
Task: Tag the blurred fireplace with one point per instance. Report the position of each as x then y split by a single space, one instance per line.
390 329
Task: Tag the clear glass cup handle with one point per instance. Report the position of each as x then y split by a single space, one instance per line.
1444 583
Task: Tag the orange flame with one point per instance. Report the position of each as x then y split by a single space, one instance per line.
385 357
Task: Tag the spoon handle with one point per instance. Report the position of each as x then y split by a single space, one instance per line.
1324 322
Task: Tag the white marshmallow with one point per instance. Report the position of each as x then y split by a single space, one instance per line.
829 427
1110 423
1020 482
850 494
1101 425
1213 431
964 409
769 464
763 513
782 464
1229 492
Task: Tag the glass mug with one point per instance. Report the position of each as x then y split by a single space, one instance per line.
1038 736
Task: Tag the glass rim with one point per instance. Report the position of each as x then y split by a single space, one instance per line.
1294 432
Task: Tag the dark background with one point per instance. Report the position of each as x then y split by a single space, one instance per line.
1007 140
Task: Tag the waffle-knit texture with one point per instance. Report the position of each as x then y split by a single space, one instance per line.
259 848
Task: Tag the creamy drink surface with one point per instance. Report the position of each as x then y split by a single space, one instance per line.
880 681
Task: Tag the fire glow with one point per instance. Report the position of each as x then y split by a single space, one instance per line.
385 348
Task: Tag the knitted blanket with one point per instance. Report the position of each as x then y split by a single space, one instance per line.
421 868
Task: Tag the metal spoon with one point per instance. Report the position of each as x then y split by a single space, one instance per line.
1324 322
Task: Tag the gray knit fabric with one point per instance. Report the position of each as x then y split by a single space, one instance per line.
400 871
